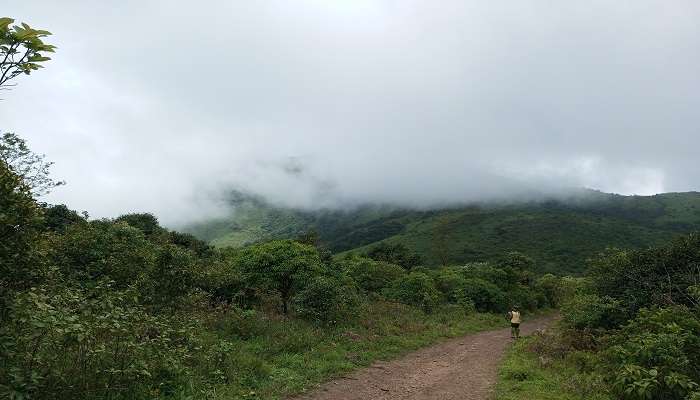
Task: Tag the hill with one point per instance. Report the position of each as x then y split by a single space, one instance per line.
559 234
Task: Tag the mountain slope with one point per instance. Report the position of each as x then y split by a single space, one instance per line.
559 234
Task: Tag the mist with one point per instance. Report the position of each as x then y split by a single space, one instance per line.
166 106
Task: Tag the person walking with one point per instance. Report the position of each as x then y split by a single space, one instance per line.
514 317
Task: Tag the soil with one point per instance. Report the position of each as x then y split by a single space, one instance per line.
462 368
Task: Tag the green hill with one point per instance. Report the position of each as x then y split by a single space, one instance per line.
558 234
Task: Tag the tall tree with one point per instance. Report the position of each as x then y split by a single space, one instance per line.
22 50
29 166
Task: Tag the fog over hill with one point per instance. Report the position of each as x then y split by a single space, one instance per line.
166 108
559 233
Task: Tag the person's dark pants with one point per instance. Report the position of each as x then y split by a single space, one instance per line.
514 330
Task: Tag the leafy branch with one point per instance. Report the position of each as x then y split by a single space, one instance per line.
21 50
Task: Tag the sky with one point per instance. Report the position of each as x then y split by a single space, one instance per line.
165 106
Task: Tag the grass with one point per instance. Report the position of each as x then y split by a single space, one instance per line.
267 358
523 376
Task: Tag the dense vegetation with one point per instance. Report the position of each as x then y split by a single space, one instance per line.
124 308
630 330
559 234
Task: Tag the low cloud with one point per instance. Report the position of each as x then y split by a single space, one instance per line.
165 107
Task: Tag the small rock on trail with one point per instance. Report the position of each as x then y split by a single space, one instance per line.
462 368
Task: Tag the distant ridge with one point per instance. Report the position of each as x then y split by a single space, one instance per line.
560 234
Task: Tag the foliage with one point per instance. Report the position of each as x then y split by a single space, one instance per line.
657 355
20 231
590 311
125 308
190 242
370 275
485 295
145 222
654 276
559 235
416 289
531 371
517 261
640 311
100 249
555 289
30 167
62 342
327 299
397 254
284 267
59 217
21 49
171 278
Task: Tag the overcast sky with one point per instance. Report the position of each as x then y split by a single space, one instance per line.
161 105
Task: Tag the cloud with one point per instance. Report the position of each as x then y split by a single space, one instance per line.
163 106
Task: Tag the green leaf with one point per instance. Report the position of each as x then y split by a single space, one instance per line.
5 22
38 58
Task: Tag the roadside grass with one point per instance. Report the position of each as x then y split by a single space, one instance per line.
272 358
522 376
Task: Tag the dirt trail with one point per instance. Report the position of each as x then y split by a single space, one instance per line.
462 368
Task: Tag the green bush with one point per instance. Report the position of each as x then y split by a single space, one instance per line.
415 289
657 354
370 275
326 299
172 276
282 266
627 276
224 281
396 253
235 322
61 342
103 249
590 311
20 235
554 290
485 295
452 284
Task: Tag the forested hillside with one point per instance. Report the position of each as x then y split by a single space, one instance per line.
559 234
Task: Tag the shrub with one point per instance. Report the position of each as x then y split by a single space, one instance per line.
552 289
397 254
657 354
75 343
103 249
485 295
626 275
326 300
224 281
590 311
415 289
145 222
20 226
370 275
58 217
172 276
236 322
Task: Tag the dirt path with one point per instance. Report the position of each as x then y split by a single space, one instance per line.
462 368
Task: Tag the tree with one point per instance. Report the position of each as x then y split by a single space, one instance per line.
27 165
370 275
416 289
20 227
397 254
145 222
283 266
59 217
21 50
